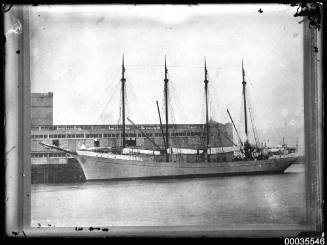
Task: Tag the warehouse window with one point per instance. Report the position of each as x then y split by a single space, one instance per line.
96 143
55 142
131 142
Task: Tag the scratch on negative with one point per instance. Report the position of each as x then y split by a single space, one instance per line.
16 29
10 149
17 233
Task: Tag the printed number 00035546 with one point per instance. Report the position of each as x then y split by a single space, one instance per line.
304 241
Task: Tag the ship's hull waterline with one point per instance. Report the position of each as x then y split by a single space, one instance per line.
97 168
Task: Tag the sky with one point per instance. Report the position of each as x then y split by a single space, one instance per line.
76 53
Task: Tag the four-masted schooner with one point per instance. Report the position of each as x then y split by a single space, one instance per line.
130 163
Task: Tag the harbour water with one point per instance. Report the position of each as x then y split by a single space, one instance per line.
256 199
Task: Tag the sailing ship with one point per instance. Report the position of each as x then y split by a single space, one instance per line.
128 163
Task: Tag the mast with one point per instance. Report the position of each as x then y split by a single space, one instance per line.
166 107
235 127
163 136
206 98
123 81
244 99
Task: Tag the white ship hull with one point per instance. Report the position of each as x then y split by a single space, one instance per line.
100 167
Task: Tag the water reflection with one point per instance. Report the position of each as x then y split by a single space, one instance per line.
275 199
